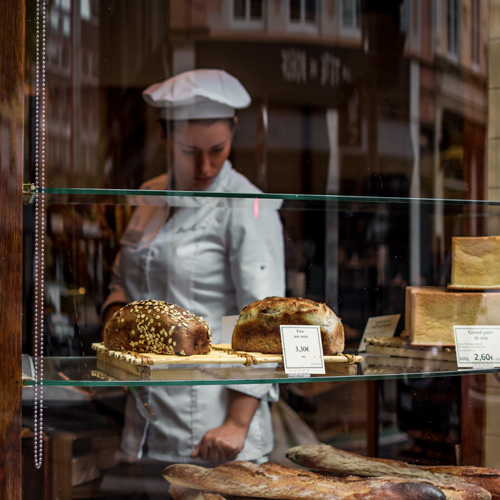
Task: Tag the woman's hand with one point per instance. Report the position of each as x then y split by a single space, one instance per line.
225 442
221 444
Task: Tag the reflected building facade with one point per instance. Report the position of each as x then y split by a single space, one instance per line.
350 97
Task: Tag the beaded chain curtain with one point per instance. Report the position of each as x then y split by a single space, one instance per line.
40 154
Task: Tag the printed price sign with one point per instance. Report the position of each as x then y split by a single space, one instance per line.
477 346
302 350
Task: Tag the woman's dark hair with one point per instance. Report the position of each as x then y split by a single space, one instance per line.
169 126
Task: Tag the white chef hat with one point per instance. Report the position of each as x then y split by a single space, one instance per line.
198 94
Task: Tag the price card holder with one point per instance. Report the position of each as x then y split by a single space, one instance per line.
228 324
302 350
379 326
477 346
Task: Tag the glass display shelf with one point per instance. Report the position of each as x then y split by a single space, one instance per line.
87 371
134 197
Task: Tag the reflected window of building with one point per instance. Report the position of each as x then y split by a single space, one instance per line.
85 9
65 57
66 26
404 22
247 10
303 12
54 20
350 16
475 33
453 28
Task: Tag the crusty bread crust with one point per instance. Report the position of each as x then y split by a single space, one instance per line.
271 480
327 458
474 261
157 327
258 326
182 493
432 311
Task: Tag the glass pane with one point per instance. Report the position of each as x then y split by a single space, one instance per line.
239 9
71 371
357 11
361 158
348 13
338 124
85 9
475 31
255 9
295 10
453 31
311 10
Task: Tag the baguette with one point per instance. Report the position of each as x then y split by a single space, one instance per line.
329 459
182 493
271 480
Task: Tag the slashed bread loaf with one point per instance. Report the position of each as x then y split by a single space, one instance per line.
153 326
182 493
258 326
271 480
329 459
475 261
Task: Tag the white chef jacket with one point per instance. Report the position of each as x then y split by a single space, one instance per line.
212 257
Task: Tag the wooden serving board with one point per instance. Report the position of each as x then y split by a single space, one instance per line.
436 354
398 347
397 355
220 354
376 364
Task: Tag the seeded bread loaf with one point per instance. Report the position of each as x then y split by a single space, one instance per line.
258 326
271 480
157 327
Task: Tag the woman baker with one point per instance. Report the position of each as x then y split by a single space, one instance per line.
209 255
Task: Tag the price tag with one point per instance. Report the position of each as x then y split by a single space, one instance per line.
477 346
302 350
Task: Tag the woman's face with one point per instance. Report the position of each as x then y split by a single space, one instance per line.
198 153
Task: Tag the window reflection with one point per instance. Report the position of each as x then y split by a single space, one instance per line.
255 9
239 9
476 31
351 14
361 98
453 27
303 11
384 99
